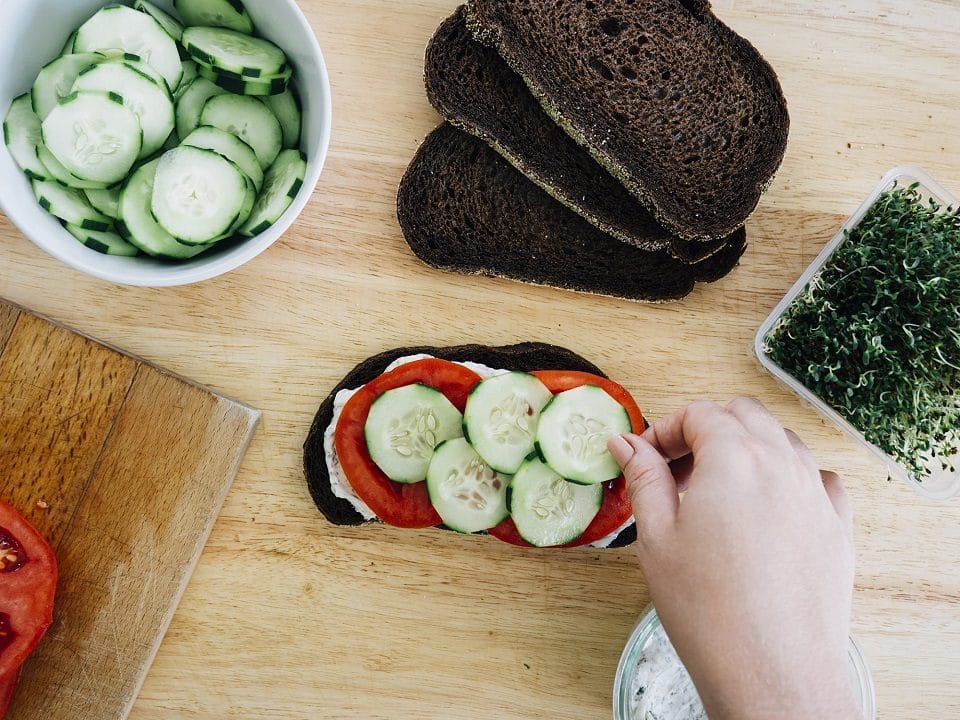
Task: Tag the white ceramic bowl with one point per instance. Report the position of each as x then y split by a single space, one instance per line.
32 32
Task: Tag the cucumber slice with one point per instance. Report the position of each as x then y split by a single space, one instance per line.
191 102
123 29
69 205
189 73
263 87
249 201
106 201
67 48
137 224
21 135
281 185
468 494
234 52
501 418
56 79
170 25
405 425
286 106
139 64
547 509
231 147
197 195
150 102
248 119
94 135
107 243
56 171
215 13
573 433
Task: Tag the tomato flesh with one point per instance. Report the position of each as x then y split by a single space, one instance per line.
616 509
8 683
28 580
398 504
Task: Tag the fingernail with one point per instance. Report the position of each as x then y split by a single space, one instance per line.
621 450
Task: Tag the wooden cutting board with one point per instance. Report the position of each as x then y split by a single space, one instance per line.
124 468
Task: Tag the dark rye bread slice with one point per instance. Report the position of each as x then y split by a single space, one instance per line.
525 356
464 208
475 90
677 106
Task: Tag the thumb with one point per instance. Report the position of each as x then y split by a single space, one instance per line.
650 484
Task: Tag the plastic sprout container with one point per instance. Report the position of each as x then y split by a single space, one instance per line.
634 682
934 472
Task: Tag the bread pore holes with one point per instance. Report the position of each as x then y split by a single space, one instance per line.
612 26
600 68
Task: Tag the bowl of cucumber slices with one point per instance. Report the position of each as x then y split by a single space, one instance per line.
162 142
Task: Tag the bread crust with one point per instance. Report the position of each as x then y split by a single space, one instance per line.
673 103
476 91
465 209
523 356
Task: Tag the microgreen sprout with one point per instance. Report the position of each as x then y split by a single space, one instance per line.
876 333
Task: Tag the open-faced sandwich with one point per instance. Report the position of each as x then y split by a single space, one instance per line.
510 441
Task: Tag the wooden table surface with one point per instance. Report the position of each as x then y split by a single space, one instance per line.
289 618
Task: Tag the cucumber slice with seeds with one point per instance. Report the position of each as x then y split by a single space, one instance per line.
172 26
69 205
248 119
117 27
233 52
94 135
403 428
281 185
56 79
106 201
286 106
191 103
573 433
231 147
501 418
150 102
21 135
547 509
261 87
56 171
106 243
197 194
468 494
137 224
229 14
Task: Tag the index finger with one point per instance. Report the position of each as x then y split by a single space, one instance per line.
691 429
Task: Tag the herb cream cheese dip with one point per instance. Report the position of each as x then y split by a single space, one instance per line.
653 684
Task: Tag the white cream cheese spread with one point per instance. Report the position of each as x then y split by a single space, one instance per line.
661 688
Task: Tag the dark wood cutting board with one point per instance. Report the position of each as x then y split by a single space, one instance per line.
124 468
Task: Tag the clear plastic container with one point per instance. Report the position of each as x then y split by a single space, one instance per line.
624 684
940 484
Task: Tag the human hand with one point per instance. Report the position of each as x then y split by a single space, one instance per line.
752 573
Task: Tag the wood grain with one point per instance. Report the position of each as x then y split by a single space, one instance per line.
288 618
123 468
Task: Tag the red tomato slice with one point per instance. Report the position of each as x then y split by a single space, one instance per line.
28 580
8 684
396 504
616 509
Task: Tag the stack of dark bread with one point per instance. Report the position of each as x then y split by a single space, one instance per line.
606 146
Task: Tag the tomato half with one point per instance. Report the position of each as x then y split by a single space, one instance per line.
616 509
396 504
28 580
